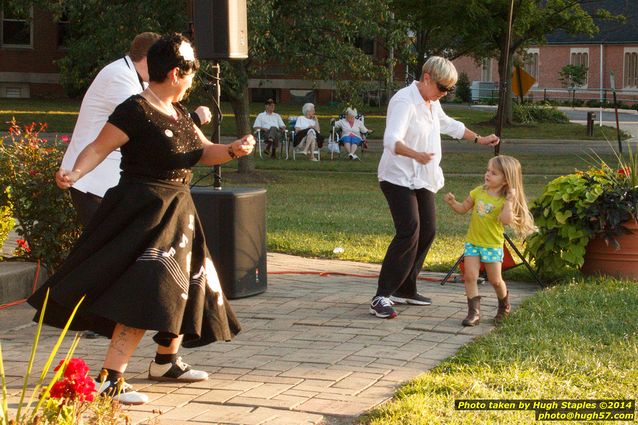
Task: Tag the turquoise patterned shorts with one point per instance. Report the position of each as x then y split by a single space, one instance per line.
488 255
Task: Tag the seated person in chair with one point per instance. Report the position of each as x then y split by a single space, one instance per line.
307 130
352 131
272 127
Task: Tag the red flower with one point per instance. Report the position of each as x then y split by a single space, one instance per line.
76 385
625 171
64 138
33 172
24 245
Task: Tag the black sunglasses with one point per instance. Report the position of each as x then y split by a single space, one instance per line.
443 88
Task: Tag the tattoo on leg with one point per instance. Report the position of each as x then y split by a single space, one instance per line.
120 342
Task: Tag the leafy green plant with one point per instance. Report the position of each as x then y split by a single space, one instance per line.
531 113
572 77
577 207
69 398
6 216
463 90
46 218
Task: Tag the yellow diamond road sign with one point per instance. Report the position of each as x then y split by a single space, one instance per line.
521 81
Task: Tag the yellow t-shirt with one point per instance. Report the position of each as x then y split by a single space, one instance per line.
486 230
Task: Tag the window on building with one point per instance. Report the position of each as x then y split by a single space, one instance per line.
630 74
486 69
365 44
16 27
531 63
63 31
580 57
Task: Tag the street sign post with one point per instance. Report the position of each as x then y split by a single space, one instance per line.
612 82
521 82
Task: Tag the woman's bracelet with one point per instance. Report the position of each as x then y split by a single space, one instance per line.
231 152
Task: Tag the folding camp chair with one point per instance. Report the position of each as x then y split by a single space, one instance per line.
335 136
283 148
508 263
295 149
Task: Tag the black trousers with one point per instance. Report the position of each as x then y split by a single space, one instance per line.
414 215
85 205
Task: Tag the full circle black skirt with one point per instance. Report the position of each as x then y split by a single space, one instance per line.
142 262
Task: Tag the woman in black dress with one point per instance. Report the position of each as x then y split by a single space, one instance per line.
142 263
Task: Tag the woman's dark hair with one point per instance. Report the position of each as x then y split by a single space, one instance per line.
164 55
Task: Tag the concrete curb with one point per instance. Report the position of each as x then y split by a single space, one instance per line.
17 280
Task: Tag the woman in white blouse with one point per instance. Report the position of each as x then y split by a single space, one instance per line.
351 132
307 131
410 175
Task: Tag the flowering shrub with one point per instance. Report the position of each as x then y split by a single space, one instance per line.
6 217
578 207
76 385
70 397
22 250
46 218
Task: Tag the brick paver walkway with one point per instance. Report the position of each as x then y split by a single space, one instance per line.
309 350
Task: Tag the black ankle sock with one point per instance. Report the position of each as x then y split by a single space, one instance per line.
112 375
165 358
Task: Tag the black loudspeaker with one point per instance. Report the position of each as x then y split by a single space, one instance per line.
234 222
221 29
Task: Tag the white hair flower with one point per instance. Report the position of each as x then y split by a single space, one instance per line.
186 51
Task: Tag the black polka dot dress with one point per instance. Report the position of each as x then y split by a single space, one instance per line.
143 260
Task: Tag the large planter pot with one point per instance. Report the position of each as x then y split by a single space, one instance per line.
603 259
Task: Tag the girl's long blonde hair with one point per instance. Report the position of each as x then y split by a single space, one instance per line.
523 222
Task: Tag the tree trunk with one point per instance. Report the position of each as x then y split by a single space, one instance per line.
241 109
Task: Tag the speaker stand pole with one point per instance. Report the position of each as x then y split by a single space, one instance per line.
217 169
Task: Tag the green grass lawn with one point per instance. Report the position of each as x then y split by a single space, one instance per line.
60 115
578 340
316 207
575 341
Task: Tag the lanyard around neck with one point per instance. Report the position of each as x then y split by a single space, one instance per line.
139 77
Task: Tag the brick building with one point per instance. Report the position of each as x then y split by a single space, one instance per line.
613 50
29 47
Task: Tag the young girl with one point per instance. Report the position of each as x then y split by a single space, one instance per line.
498 202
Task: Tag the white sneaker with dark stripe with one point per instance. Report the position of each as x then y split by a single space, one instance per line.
416 299
177 371
121 391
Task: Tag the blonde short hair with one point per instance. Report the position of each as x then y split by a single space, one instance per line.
306 107
440 70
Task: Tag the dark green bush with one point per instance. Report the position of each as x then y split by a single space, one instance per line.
532 113
463 90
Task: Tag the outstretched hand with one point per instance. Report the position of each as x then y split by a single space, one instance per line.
204 114
449 198
65 178
491 140
244 146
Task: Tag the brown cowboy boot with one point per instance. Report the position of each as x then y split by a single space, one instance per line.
473 314
504 309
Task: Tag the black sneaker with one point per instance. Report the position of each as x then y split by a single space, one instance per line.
416 299
382 307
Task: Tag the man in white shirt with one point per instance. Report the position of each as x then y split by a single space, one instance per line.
115 83
271 126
